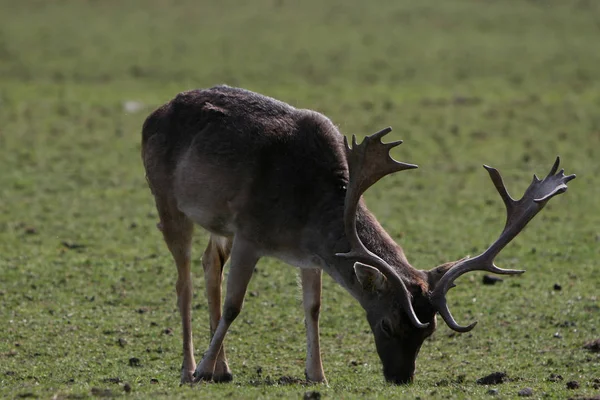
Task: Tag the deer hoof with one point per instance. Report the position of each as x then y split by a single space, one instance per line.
187 377
203 377
223 378
318 378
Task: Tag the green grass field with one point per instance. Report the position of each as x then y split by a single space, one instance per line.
86 282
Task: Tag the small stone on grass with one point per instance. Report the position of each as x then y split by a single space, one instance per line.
526 392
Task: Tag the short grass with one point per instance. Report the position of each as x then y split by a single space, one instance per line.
86 283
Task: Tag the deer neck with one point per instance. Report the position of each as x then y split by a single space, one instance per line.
379 242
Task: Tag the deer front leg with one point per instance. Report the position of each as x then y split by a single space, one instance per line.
243 261
177 231
214 258
311 300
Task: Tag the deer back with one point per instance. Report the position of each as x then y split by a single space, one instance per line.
238 162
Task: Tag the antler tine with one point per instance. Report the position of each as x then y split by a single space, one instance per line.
499 184
554 167
382 133
368 162
518 214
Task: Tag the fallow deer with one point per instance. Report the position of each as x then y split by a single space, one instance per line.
267 179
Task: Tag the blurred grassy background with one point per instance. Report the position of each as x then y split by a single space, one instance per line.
463 82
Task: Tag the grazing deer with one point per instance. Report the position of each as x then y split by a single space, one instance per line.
267 179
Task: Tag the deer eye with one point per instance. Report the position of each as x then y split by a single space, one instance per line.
386 328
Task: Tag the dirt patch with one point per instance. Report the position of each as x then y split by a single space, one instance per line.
134 362
312 395
72 245
290 380
491 280
494 378
102 392
593 346
458 380
281 381
115 380
572 385
555 378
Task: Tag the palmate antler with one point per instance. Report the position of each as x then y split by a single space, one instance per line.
368 162
519 213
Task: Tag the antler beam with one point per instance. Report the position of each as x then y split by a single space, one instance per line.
368 162
518 214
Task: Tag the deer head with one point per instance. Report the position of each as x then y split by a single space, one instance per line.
400 311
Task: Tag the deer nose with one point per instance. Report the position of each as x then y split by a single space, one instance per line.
402 378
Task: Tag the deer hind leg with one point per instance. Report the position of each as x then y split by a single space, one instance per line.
311 300
214 258
243 261
177 231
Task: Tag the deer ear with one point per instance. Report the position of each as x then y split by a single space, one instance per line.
370 278
435 274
